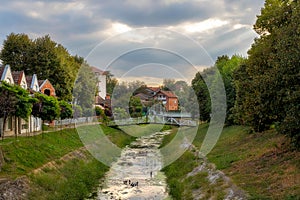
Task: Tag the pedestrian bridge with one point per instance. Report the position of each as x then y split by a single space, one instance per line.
157 119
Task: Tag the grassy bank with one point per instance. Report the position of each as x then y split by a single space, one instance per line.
70 178
262 164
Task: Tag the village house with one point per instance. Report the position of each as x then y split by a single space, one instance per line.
32 84
102 99
169 100
151 94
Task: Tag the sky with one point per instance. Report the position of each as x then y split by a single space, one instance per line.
146 40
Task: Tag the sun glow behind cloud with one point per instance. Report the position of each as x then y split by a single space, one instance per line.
204 25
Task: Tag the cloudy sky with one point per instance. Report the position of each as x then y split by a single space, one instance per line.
144 39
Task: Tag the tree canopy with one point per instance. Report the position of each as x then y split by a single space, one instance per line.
268 90
43 57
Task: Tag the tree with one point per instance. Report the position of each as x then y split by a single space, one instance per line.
16 51
8 102
43 57
66 110
47 108
15 101
227 67
271 72
84 89
135 107
111 82
202 93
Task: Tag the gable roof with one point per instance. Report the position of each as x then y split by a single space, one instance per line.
29 80
154 89
17 76
168 94
1 71
6 74
97 70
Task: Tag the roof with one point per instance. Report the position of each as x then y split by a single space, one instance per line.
142 96
169 94
1 70
154 89
97 70
29 80
40 82
17 76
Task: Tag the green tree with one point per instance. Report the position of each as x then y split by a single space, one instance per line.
66 110
15 101
16 51
111 82
43 57
47 108
227 67
8 102
271 74
84 89
135 107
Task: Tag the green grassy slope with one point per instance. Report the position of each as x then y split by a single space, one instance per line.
262 164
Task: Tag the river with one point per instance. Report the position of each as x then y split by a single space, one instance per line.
140 163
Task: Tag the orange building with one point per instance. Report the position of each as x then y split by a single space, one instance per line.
46 87
168 98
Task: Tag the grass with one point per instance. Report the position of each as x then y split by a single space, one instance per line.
73 178
27 153
262 164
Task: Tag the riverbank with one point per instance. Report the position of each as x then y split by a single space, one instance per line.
260 165
51 166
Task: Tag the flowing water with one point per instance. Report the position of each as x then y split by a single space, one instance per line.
140 163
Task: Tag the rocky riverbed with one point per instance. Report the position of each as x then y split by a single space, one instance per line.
136 174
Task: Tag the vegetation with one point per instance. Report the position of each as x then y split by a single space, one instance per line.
84 90
268 90
262 164
226 67
14 101
74 180
47 108
43 57
71 178
26 154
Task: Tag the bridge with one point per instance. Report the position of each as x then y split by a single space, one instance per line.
177 119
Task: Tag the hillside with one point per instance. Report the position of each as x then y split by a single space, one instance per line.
261 164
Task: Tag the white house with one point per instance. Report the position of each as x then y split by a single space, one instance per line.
13 124
35 123
101 82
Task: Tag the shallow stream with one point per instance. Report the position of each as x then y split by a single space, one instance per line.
140 163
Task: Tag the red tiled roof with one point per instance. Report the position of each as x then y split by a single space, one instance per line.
97 70
168 94
17 76
40 82
29 80
154 89
1 70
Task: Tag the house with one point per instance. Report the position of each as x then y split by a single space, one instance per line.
46 87
168 98
6 75
101 82
35 123
32 83
151 94
19 79
14 124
